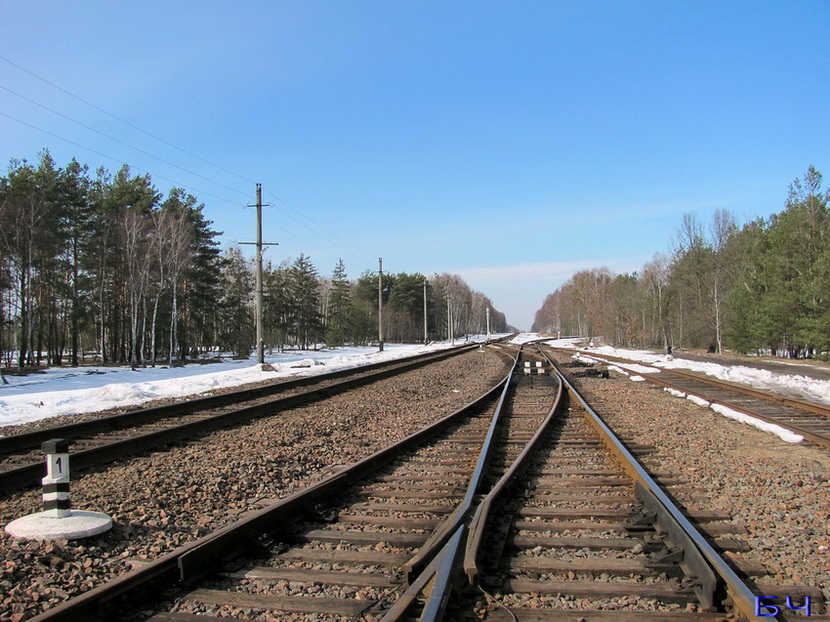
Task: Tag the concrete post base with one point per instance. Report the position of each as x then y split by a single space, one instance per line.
44 526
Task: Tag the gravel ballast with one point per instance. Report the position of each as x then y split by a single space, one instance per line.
779 491
163 500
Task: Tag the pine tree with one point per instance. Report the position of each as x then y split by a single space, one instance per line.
304 292
200 284
339 307
235 324
77 238
277 309
749 306
406 308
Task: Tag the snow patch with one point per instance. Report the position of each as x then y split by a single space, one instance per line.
69 391
782 433
698 400
786 384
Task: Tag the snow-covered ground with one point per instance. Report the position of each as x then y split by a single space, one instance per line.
65 391
793 385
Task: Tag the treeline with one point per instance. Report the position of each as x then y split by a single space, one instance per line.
302 309
760 287
105 265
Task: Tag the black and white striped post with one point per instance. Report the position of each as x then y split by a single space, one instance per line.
58 521
56 482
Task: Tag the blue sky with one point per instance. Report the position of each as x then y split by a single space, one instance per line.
512 143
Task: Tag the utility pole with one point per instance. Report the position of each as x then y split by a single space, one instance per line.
466 322
425 311
260 340
380 304
450 332
260 329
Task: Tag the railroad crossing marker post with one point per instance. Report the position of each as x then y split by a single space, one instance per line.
58 521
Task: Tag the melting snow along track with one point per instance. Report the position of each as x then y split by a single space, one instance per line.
807 419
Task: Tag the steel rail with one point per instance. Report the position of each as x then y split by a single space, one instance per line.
459 516
479 521
439 575
816 409
792 402
742 597
31 474
435 581
817 438
189 563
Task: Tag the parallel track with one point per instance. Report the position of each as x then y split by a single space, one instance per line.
393 519
109 438
807 419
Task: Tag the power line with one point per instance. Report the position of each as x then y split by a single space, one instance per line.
156 176
119 160
314 245
104 134
117 118
332 237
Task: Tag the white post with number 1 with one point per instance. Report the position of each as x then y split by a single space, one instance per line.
58 521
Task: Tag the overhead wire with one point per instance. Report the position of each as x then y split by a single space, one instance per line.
155 175
119 160
124 121
118 140
332 237
325 250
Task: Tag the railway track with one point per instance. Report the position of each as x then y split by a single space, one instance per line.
807 419
585 533
362 539
113 437
536 504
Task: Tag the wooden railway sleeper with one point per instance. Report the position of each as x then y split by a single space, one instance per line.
700 551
